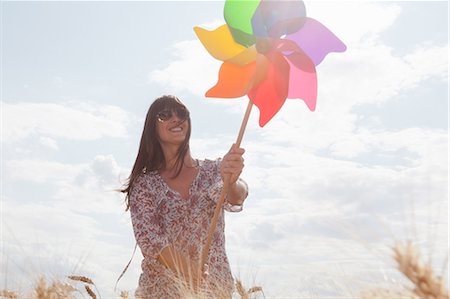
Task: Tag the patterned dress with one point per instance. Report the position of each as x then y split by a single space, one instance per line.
160 217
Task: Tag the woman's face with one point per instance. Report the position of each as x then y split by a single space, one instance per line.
172 126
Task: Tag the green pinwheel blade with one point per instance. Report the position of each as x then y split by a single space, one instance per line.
238 16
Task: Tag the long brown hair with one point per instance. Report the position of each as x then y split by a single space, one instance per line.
150 155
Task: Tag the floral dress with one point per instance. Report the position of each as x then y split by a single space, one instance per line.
160 217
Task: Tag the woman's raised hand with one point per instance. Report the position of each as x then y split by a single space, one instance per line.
232 164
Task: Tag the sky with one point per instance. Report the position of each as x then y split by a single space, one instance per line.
331 191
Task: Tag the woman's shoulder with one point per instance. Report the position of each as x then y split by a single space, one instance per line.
210 167
143 183
208 163
145 177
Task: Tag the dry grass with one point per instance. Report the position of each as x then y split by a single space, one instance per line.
217 293
427 284
81 278
8 294
246 294
424 283
87 281
55 290
90 292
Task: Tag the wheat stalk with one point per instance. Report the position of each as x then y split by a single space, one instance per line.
245 294
88 281
7 294
56 290
81 278
426 284
241 290
90 292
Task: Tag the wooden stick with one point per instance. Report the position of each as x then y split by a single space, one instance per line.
223 193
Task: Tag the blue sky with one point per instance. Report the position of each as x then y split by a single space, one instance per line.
330 191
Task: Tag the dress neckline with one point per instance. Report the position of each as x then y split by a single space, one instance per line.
191 187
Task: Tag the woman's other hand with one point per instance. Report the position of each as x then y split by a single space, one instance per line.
232 164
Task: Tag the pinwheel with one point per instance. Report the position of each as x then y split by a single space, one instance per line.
270 51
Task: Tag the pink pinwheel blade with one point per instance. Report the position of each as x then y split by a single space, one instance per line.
316 40
302 84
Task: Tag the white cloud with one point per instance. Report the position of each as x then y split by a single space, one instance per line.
86 187
354 21
192 69
73 121
49 143
41 171
106 168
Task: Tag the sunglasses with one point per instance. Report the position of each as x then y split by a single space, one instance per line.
166 114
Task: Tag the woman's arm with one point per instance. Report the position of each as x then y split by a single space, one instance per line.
148 231
232 165
237 193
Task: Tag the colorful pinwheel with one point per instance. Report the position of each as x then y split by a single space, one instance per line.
269 50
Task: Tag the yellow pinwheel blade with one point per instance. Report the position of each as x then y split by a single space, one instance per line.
245 57
219 43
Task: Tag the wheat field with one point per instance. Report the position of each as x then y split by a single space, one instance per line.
421 282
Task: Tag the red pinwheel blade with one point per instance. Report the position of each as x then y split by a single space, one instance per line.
270 95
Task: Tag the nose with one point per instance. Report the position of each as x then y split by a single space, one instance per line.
175 118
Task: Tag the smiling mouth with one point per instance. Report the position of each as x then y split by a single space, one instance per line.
176 129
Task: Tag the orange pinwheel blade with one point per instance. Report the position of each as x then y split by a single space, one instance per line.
234 81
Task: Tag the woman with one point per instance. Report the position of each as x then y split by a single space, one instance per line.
172 197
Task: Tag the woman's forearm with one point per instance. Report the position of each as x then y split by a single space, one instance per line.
237 193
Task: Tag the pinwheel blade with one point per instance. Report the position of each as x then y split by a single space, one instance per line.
276 18
302 84
246 56
234 81
270 95
316 40
219 42
238 15
296 55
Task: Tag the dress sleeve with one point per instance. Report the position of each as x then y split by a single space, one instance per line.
216 188
148 231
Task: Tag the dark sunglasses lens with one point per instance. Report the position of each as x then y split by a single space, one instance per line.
182 113
164 115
